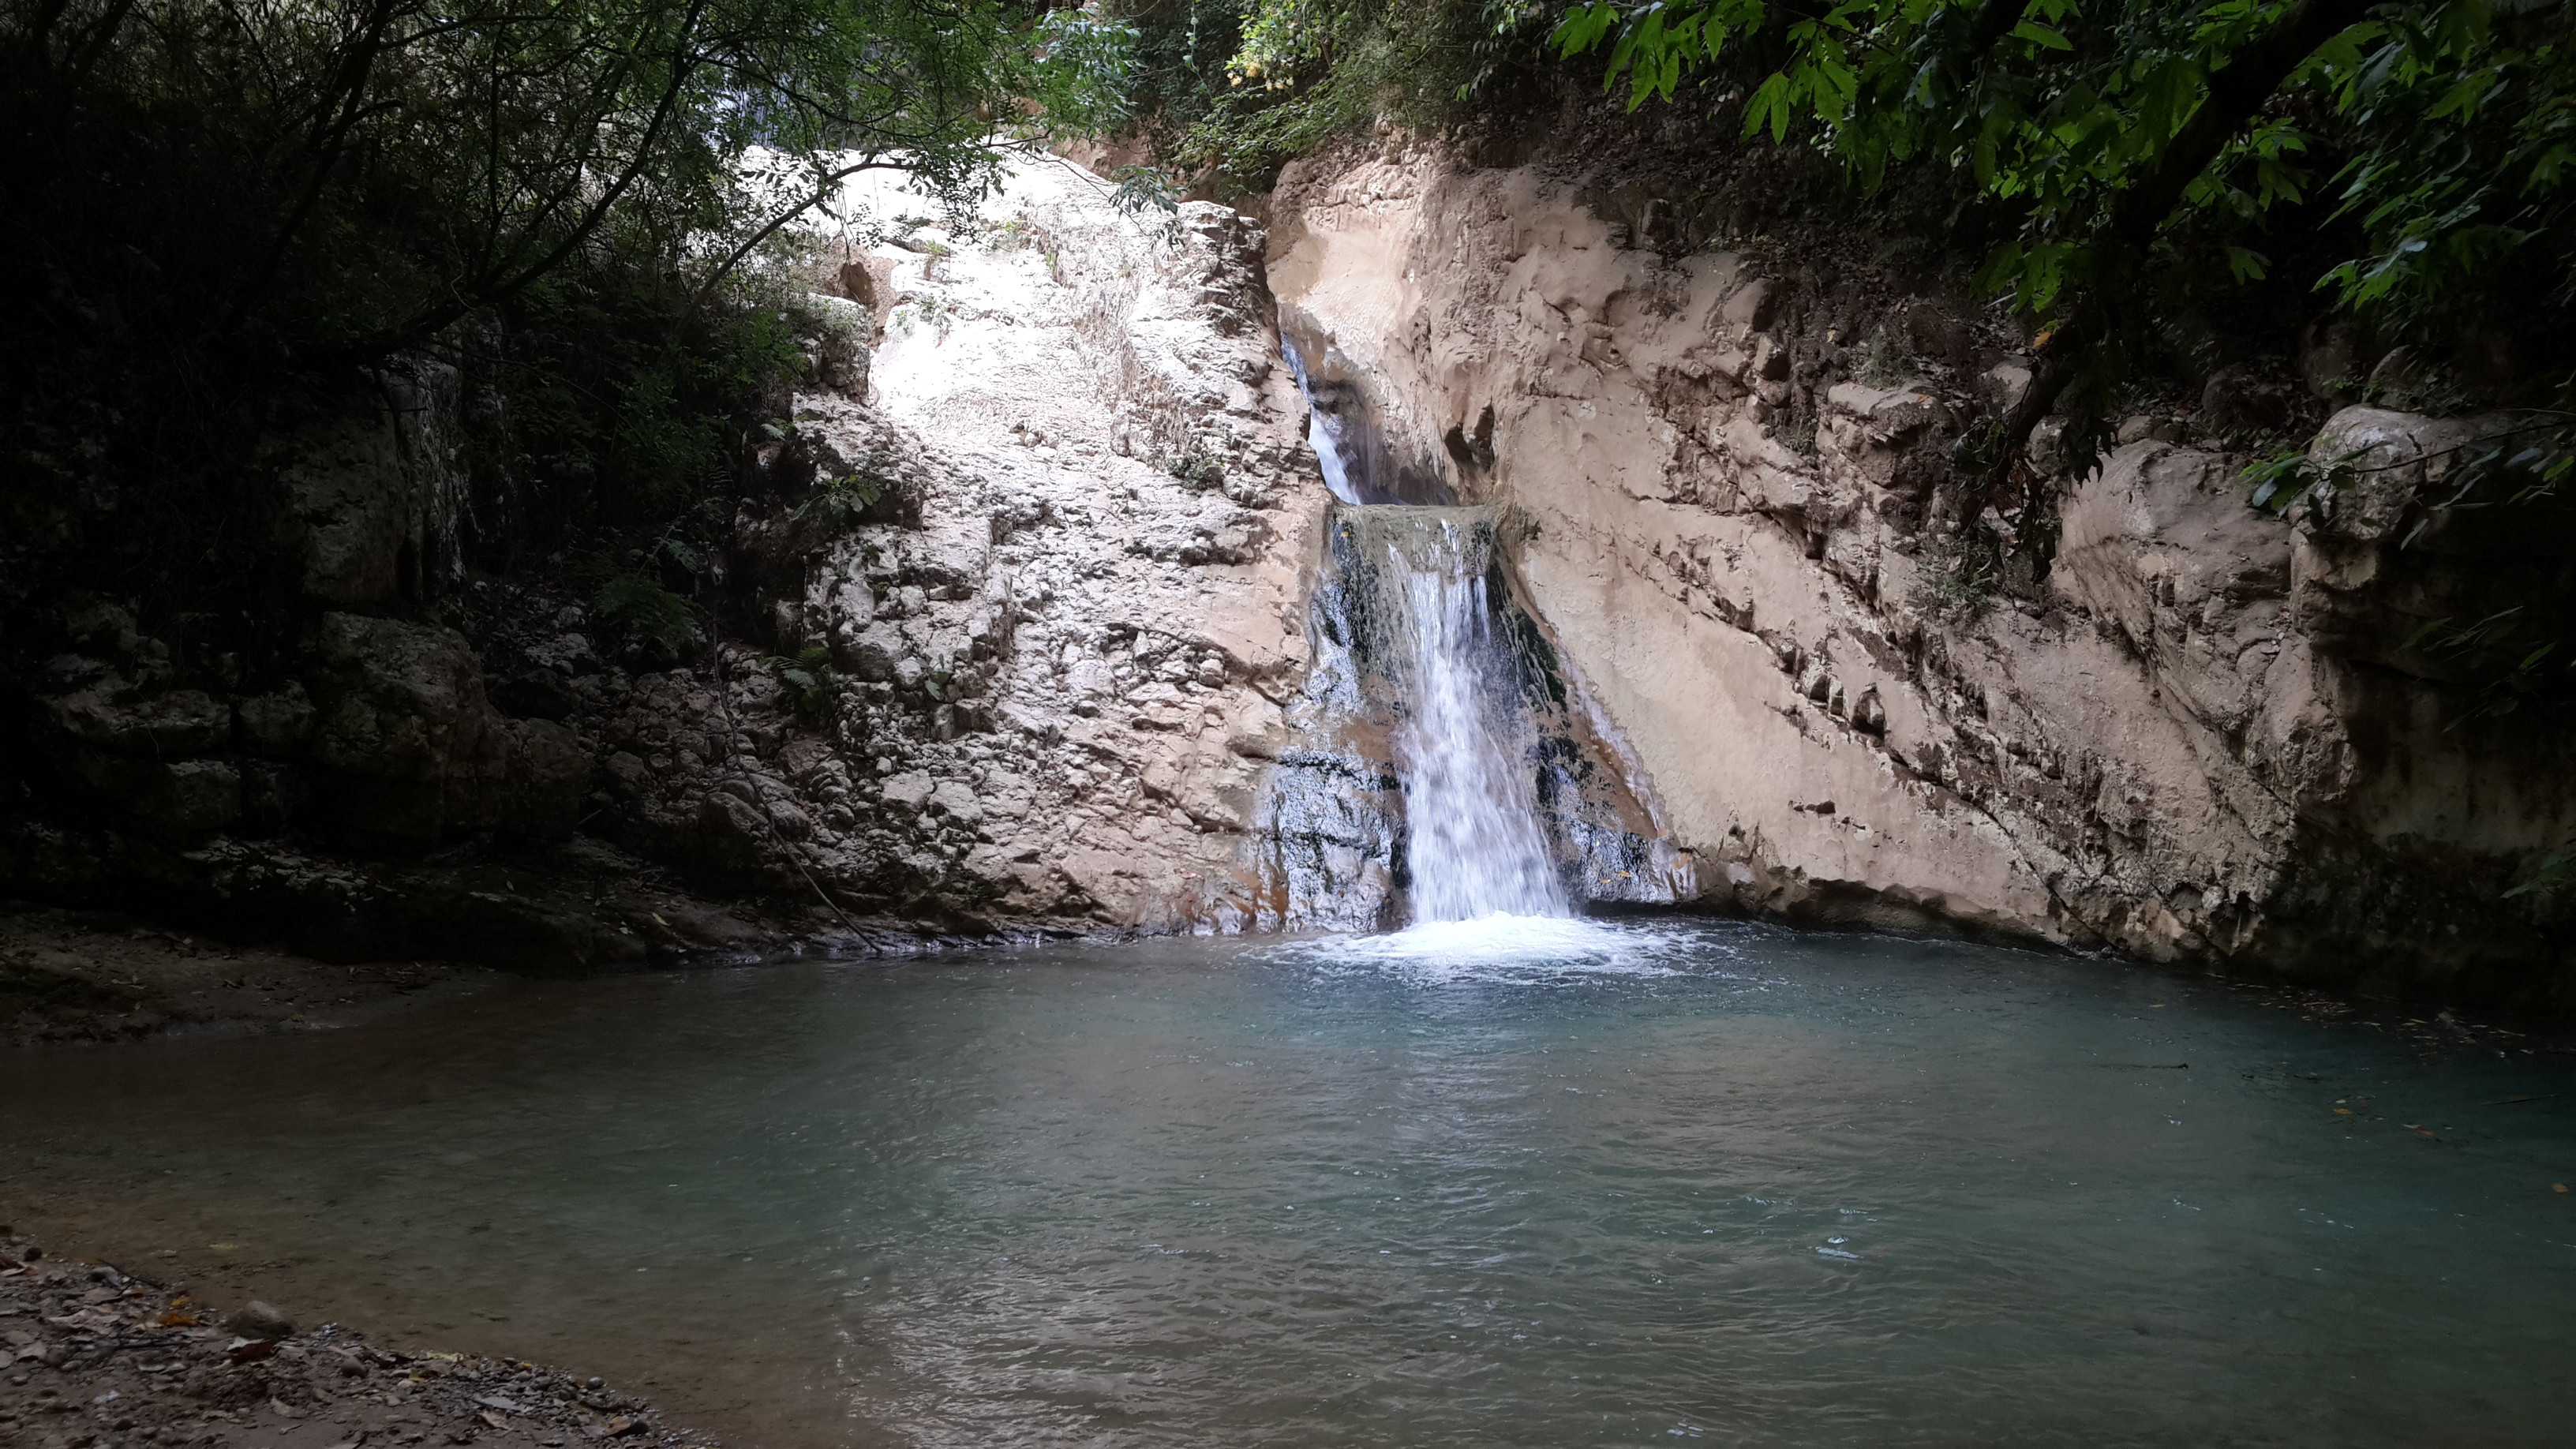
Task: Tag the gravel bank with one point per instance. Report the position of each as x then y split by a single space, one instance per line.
72 976
95 1358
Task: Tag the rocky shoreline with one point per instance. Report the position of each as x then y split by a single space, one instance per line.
94 1357
72 976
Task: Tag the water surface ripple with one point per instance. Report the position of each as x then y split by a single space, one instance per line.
1484 1183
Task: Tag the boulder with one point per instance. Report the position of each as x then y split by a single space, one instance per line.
2379 556
875 653
415 752
959 803
258 1320
911 789
113 715
278 725
731 839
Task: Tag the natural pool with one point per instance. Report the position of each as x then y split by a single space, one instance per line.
1550 1184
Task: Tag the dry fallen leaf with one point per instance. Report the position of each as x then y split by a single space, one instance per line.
176 1319
495 1420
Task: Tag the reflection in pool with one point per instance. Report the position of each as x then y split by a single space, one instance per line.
1488 1183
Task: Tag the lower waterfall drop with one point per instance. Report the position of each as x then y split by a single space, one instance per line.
1443 766
1474 847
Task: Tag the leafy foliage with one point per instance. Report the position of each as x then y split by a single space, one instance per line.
2125 141
233 213
2523 462
807 680
2463 135
2547 876
1239 86
844 503
396 164
646 617
1963 570
1198 470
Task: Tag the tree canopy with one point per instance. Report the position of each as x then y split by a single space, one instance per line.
2116 137
379 168
226 214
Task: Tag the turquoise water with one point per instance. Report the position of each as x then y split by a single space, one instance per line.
1549 1184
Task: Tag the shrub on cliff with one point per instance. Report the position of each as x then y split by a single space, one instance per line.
224 216
1234 88
2128 147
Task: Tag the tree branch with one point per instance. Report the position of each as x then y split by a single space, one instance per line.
822 193
2236 93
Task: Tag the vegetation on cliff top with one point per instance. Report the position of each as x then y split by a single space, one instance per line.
226 215
2166 191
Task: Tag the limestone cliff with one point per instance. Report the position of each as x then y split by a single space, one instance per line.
2199 741
1036 613
1044 520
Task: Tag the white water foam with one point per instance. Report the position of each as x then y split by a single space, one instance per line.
1499 950
1475 848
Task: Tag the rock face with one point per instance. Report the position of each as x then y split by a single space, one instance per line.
412 752
1063 597
2204 741
1003 638
1039 614
373 496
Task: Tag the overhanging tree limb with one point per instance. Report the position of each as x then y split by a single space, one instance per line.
2237 93
822 193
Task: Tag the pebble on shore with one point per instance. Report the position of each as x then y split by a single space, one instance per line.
94 1358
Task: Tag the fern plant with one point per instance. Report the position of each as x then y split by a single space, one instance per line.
645 616
807 681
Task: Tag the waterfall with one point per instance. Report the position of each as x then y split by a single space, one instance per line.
1425 633
1462 741
1436 714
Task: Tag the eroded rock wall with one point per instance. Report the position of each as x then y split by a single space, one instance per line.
1000 639
2197 741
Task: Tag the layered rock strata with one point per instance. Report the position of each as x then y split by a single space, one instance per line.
2202 738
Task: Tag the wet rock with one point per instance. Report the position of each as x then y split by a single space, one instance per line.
277 725
114 715
259 1320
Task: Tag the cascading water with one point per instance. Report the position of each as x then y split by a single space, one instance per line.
1444 769
1474 846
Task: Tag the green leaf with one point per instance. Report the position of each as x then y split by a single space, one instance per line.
2038 34
1769 105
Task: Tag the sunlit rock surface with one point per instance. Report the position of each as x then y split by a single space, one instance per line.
2198 745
